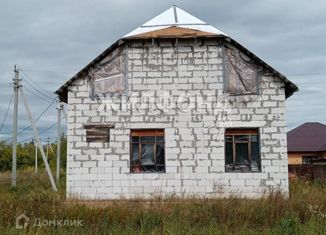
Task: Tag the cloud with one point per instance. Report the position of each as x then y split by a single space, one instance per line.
52 40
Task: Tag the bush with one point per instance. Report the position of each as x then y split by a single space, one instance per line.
26 155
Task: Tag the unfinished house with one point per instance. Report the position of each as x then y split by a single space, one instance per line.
176 107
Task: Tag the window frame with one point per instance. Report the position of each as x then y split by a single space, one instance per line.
242 132
308 158
146 133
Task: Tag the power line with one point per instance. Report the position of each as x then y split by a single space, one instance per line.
43 131
4 119
36 89
27 127
32 92
38 118
25 74
9 131
53 125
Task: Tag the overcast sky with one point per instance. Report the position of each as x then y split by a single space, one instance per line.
52 40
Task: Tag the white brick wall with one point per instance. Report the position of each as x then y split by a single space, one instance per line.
194 155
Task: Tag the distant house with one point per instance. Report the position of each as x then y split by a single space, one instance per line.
176 107
307 143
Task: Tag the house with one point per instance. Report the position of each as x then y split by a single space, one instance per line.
176 107
307 143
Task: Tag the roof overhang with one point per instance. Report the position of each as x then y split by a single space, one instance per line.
62 92
290 87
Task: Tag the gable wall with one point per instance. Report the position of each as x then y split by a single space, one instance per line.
194 148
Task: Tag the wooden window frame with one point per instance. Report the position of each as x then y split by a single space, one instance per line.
236 167
146 133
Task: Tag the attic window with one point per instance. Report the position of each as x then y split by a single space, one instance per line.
242 75
98 132
109 76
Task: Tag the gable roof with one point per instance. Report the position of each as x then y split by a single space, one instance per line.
175 23
310 136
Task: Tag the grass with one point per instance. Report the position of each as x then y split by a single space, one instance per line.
303 213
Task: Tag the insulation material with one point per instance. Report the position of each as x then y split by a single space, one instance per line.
174 17
179 32
242 75
109 77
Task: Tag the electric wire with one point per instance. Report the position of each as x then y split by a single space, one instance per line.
38 118
32 92
5 117
37 90
29 80
41 132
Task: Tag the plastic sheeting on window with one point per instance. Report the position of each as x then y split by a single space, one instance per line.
242 75
109 77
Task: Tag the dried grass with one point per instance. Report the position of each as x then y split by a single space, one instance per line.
301 213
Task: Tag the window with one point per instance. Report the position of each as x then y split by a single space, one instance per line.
308 159
242 153
241 74
109 76
147 151
98 132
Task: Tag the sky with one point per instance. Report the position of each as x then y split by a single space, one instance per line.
52 40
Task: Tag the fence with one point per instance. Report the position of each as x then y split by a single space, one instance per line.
309 172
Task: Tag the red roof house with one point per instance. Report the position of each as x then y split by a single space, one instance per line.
306 142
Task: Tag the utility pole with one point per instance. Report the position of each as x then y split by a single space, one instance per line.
64 113
37 138
47 148
58 141
14 133
36 165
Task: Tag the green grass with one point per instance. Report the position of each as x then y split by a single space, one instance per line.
303 213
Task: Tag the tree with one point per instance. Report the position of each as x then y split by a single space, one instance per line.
26 155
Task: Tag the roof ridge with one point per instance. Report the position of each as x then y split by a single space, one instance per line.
314 123
159 25
291 132
175 14
309 136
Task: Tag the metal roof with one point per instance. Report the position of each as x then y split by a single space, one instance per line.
174 17
309 137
